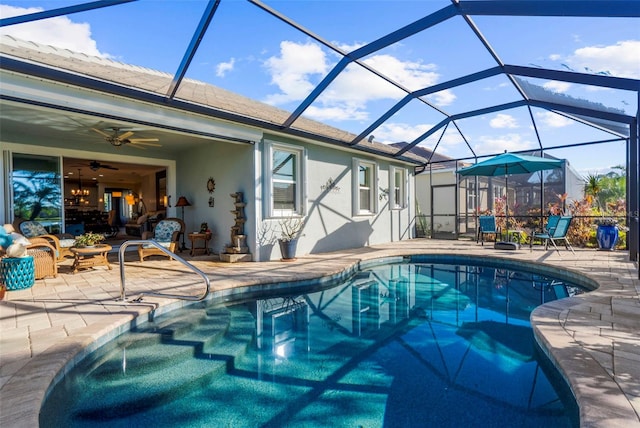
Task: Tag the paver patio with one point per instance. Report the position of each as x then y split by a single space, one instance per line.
594 339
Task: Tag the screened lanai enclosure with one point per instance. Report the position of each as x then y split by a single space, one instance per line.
464 79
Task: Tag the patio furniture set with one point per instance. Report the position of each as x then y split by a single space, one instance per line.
45 251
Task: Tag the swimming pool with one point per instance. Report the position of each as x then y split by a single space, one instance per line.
401 344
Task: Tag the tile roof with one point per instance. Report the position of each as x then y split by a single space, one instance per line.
192 91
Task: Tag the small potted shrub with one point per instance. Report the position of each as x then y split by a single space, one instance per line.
88 239
290 229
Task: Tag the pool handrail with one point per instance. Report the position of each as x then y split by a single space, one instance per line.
174 256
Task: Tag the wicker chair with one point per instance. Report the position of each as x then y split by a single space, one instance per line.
62 243
44 257
167 233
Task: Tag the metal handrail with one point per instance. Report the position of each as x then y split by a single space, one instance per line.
155 243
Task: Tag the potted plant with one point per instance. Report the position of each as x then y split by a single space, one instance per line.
290 229
88 239
607 233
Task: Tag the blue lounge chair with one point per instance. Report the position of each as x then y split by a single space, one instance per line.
487 225
559 233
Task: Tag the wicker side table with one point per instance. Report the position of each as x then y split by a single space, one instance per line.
88 257
17 273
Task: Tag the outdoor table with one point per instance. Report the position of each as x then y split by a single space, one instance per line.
88 257
195 237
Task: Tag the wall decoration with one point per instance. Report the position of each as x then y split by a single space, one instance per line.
330 186
211 184
211 201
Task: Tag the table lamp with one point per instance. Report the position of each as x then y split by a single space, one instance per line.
182 202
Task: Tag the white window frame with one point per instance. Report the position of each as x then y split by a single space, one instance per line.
373 189
300 181
397 202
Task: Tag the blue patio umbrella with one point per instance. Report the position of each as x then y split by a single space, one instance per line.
510 163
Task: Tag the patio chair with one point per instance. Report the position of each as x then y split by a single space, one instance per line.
487 225
112 225
559 233
167 233
552 222
61 242
44 257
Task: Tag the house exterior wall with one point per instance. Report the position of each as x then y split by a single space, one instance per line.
231 166
328 202
330 183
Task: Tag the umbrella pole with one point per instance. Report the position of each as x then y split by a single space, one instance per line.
506 203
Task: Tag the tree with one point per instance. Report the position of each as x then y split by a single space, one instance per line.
592 189
36 193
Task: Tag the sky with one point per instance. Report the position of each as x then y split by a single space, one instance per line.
248 51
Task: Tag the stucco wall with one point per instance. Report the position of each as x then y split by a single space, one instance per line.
231 166
330 223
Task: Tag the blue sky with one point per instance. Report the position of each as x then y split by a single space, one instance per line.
252 53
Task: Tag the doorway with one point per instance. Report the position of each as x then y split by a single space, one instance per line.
444 212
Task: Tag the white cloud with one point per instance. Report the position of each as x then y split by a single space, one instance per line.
299 67
555 57
336 113
292 70
224 67
503 121
620 60
556 86
498 144
60 31
347 47
442 98
554 120
395 132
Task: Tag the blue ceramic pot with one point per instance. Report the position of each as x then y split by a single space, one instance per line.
607 236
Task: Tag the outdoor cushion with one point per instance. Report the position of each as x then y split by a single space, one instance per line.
31 229
162 244
164 231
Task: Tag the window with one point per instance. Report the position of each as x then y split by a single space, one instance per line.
285 187
398 188
365 180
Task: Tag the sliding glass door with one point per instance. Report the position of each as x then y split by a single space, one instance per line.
36 188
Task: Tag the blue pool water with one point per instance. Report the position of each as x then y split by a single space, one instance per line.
397 345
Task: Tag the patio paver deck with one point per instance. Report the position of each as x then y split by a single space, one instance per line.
594 339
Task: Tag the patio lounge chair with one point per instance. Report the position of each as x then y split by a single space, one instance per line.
487 226
62 243
559 233
167 233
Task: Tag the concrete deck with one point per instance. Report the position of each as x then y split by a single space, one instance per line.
594 339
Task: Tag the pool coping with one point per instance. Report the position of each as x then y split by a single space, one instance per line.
554 324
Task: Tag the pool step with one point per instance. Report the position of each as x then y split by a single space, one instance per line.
125 392
136 352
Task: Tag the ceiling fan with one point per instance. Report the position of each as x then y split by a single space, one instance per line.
116 139
95 165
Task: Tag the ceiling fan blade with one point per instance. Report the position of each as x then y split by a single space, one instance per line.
137 140
125 135
109 167
136 143
136 146
104 134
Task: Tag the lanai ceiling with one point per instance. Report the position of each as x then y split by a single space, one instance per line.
485 75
